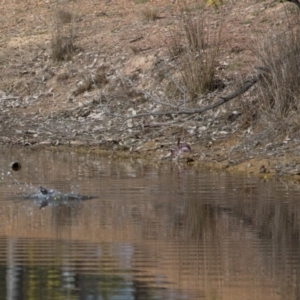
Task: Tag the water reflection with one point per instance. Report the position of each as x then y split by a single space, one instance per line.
64 272
149 232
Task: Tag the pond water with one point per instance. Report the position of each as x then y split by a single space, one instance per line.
146 231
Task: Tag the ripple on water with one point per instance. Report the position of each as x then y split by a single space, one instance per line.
149 231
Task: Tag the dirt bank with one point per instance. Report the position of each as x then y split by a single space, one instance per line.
116 63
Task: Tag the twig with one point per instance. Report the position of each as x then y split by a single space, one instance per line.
247 85
9 98
136 39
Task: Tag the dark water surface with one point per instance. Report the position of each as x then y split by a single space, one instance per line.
149 231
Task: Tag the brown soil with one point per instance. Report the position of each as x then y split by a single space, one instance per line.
119 57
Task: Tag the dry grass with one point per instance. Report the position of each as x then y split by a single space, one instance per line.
84 85
150 13
215 3
62 43
62 47
279 90
64 16
100 78
197 52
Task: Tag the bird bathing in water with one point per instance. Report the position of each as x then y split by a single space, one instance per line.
52 197
43 190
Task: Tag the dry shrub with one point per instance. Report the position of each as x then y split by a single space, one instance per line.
64 16
62 47
62 42
198 52
279 90
150 13
83 85
99 78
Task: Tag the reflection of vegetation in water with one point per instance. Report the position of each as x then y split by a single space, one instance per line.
106 286
202 218
195 221
45 282
272 221
52 283
68 275
39 283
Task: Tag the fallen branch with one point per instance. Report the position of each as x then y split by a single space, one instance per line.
246 86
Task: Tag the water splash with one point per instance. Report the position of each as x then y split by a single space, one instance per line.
45 197
50 197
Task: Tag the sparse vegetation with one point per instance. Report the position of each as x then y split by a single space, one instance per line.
64 17
150 13
62 43
170 91
62 47
100 78
196 52
84 85
279 89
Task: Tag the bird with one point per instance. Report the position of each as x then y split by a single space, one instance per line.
182 147
44 191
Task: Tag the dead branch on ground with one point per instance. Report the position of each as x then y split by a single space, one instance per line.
248 83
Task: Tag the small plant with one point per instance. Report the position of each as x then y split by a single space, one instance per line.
100 78
197 56
150 13
175 45
195 33
279 88
84 85
64 17
62 47
62 42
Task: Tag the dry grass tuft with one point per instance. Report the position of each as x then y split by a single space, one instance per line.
279 90
84 85
100 78
196 52
150 13
62 47
62 43
64 17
